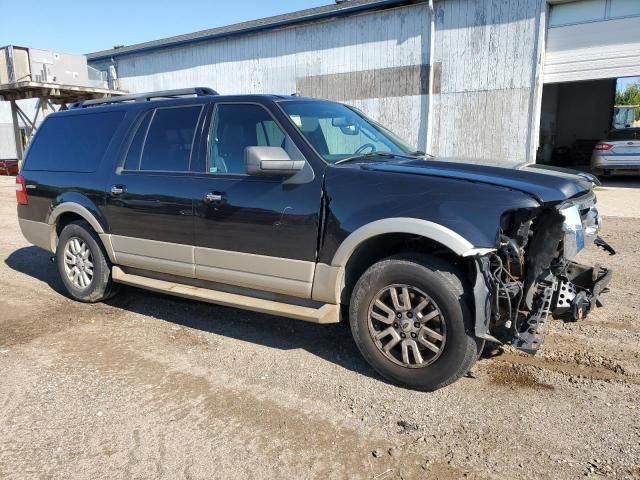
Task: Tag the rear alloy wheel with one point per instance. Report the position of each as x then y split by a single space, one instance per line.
410 320
78 263
83 265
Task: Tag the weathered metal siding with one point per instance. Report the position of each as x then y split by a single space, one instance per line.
7 142
309 58
485 63
7 139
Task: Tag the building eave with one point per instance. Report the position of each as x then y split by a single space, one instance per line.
253 26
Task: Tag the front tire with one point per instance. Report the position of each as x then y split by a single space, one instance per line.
410 321
83 265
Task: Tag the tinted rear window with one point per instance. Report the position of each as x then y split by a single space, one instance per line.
74 143
170 139
132 162
624 134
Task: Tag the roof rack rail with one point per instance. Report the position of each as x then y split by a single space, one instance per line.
147 97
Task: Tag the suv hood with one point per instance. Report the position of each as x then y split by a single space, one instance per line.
546 186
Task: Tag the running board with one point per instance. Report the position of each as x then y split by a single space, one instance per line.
327 313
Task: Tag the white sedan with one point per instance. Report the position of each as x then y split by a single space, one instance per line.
618 153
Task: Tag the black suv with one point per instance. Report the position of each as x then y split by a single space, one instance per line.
308 209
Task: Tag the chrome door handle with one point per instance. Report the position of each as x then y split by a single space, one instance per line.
117 190
212 197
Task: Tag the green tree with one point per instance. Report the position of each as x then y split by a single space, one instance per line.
629 96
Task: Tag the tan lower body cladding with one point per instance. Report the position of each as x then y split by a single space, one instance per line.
284 276
296 278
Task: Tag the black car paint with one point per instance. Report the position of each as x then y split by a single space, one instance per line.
473 211
261 215
544 186
270 217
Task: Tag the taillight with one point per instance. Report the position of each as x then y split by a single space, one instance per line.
603 146
21 191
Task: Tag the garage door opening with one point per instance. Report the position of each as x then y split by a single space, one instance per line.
576 116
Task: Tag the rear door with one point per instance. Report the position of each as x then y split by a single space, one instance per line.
149 198
252 231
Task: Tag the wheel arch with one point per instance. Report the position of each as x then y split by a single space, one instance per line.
69 211
382 238
74 210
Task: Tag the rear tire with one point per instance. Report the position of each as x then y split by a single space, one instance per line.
83 265
432 343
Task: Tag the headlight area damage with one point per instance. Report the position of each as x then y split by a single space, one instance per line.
532 274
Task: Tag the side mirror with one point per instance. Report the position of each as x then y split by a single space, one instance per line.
271 161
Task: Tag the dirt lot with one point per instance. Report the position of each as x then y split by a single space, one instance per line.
149 386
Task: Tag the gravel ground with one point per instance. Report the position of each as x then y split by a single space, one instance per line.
149 386
620 196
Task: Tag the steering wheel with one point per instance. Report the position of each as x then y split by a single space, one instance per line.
362 148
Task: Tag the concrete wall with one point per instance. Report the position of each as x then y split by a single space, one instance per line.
329 59
486 59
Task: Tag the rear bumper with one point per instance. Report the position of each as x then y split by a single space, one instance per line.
37 233
604 163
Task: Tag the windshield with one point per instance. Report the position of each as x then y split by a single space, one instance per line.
338 132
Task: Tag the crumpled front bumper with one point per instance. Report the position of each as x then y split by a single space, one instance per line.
580 292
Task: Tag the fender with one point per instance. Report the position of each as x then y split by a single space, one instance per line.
415 226
329 279
73 202
81 205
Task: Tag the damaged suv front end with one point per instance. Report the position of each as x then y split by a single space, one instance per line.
533 273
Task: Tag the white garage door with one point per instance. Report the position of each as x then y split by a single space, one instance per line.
592 39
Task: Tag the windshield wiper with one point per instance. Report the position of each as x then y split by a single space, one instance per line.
420 153
365 156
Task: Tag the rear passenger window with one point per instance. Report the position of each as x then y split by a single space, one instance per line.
73 143
169 140
132 162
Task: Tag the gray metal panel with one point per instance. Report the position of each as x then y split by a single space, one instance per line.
272 61
7 142
278 21
593 50
383 82
55 67
486 54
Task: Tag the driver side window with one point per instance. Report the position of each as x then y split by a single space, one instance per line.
233 129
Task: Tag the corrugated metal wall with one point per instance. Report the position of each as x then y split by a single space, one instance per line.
486 59
315 59
485 65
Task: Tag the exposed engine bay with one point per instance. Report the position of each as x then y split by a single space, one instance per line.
532 275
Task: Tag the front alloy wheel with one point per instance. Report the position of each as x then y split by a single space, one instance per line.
410 320
407 326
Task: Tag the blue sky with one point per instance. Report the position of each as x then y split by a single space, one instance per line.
88 26
623 83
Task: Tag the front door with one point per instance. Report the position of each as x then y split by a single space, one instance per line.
150 198
251 231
